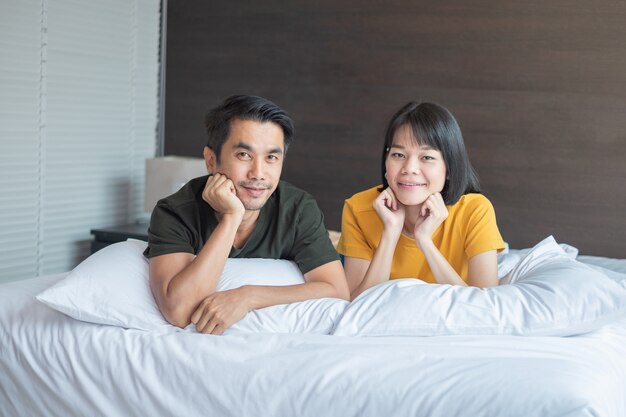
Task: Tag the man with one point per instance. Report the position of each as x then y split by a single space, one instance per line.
241 210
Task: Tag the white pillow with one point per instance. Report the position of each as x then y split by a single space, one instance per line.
111 287
549 294
616 276
508 258
316 316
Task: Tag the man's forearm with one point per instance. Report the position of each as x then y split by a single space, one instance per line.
257 296
200 277
325 281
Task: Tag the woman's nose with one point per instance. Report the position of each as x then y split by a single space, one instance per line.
412 166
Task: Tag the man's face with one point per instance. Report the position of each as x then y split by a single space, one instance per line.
252 158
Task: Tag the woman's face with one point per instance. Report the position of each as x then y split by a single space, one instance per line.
413 172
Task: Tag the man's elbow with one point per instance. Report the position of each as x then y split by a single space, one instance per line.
175 315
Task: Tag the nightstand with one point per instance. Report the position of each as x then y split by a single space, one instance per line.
107 235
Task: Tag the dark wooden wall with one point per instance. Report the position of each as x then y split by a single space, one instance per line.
538 87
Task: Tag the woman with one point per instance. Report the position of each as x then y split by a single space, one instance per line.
428 220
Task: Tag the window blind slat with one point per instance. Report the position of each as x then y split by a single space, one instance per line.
78 118
20 31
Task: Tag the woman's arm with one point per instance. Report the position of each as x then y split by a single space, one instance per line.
439 265
482 272
355 269
482 268
363 274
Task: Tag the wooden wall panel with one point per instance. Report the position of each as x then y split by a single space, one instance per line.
539 89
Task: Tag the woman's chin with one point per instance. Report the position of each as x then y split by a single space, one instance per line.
410 200
413 197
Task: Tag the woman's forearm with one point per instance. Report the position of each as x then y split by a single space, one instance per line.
379 269
439 265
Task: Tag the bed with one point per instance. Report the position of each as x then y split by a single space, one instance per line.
52 364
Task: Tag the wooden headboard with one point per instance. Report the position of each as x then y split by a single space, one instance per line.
538 88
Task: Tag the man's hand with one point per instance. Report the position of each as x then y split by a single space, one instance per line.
219 192
220 310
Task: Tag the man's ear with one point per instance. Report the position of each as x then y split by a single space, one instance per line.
209 159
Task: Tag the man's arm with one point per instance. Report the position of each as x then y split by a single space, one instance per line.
180 281
222 309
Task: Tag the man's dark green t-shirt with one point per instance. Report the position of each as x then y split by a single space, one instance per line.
290 226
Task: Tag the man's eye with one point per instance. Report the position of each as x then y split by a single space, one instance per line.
272 157
243 155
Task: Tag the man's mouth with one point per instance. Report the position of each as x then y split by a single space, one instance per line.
255 185
255 190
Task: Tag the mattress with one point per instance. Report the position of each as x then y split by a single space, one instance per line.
53 365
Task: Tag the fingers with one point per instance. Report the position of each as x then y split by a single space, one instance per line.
428 207
208 323
195 317
203 317
217 330
210 317
394 200
388 199
211 327
434 206
220 193
222 181
217 181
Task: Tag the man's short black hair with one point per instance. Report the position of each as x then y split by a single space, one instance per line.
243 107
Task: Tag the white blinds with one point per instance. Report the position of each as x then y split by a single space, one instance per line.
20 72
81 120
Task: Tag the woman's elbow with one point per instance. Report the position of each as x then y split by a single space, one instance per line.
344 293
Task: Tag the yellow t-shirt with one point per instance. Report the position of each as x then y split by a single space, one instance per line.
470 229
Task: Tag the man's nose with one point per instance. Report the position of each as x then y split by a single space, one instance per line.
257 169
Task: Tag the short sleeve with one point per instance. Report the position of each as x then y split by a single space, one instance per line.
167 233
352 242
312 246
482 229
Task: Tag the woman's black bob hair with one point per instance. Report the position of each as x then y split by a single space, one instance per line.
433 125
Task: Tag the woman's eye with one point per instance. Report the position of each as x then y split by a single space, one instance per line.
397 155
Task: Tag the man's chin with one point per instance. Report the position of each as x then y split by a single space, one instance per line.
254 205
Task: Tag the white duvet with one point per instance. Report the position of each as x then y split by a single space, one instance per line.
53 365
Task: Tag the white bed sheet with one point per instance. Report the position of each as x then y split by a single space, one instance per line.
52 365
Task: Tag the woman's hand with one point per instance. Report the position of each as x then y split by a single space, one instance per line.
390 211
432 214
